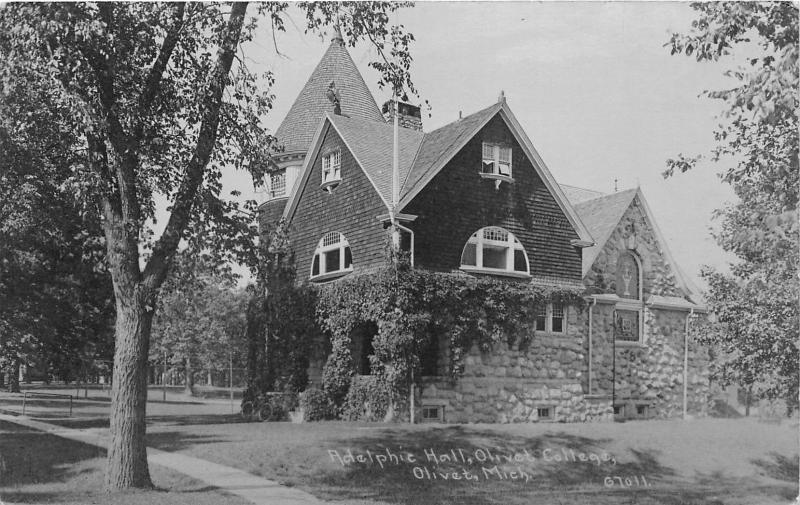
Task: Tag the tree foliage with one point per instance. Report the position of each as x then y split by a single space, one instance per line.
756 305
158 103
56 301
200 318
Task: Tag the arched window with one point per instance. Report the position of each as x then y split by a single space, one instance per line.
332 257
629 283
495 250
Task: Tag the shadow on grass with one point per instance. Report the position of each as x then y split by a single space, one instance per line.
780 467
28 456
555 472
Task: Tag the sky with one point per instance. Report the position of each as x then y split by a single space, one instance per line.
592 84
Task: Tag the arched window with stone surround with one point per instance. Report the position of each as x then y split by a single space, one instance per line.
495 250
332 258
629 276
629 324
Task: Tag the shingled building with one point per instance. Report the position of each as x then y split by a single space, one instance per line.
476 197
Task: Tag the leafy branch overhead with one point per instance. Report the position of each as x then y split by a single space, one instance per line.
756 304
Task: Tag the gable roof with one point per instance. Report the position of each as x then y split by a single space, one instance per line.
423 155
297 129
443 143
576 195
602 216
372 144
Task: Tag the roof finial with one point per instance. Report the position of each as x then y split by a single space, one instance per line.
337 34
502 97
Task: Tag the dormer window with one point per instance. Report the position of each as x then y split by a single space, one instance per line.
496 160
277 184
495 250
331 169
332 258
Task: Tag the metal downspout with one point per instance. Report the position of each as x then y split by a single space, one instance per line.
686 363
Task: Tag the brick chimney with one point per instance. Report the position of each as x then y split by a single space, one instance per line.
409 116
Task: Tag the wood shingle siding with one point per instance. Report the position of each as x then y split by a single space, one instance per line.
351 209
457 202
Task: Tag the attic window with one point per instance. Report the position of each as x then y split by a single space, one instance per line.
496 160
494 250
332 258
331 169
277 184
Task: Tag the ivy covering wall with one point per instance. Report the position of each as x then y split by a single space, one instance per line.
409 308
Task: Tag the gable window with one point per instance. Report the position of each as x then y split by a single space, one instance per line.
495 250
331 169
332 257
277 184
496 159
551 318
628 322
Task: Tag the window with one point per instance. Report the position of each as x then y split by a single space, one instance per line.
545 413
433 413
617 410
551 318
333 256
628 323
332 168
277 184
642 410
496 159
494 250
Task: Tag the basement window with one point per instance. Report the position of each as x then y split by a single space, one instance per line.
545 413
642 411
432 413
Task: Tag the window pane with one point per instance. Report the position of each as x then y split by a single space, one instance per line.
627 325
558 323
488 151
520 265
498 234
315 265
348 257
494 257
505 169
505 155
488 167
468 256
540 319
332 260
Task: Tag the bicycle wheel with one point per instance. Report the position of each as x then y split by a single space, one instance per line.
247 410
265 412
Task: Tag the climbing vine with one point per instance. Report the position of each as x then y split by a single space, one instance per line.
403 309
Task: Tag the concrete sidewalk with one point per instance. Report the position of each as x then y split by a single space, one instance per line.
251 487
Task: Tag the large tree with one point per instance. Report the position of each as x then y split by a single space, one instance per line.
755 336
160 101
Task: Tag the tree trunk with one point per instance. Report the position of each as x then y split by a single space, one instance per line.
2 378
13 380
189 390
127 452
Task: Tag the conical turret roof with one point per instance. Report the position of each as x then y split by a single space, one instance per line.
298 127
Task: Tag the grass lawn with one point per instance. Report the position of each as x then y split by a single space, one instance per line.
36 467
707 461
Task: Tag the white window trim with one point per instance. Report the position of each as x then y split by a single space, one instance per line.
495 160
331 169
511 243
342 244
548 321
271 185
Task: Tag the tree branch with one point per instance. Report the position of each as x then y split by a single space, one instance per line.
157 70
167 244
